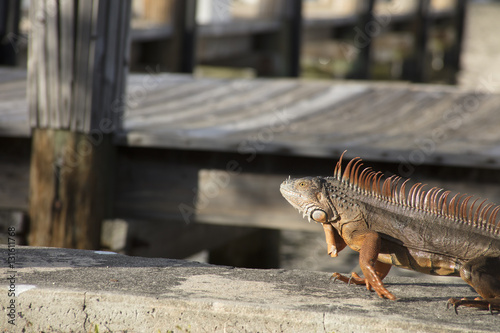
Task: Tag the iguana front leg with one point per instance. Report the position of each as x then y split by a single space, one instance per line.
482 274
334 242
373 270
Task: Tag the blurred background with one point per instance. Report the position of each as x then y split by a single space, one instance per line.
439 41
383 43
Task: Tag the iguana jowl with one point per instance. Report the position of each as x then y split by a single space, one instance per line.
422 230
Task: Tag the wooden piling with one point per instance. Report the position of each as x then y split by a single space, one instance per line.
10 12
183 57
281 47
362 68
77 65
416 67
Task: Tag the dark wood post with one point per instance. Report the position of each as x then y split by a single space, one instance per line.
282 47
77 65
456 50
362 65
293 37
183 46
9 31
177 53
416 67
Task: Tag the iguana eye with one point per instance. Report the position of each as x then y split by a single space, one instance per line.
302 184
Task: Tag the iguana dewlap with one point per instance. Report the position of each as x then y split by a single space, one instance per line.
421 230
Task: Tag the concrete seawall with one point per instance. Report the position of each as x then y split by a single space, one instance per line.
62 290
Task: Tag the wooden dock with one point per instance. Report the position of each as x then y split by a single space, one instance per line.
390 122
214 151
379 121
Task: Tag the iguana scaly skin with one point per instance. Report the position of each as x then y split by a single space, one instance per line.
421 230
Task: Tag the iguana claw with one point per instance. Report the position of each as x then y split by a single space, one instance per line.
474 303
357 280
354 278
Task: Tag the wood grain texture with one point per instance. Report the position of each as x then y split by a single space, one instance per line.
172 186
415 124
150 184
72 152
52 48
32 85
77 63
68 189
67 57
42 105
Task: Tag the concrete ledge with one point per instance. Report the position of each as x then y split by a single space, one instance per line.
62 290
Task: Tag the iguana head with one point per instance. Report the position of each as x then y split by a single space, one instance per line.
310 196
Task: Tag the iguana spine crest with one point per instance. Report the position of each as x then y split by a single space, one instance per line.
435 200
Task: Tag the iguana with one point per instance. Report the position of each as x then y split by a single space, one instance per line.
421 230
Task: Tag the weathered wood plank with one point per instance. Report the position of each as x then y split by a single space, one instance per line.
177 189
275 105
42 105
112 63
13 89
179 108
159 90
8 74
177 100
104 61
95 41
320 104
13 109
96 46
66 42
70 182
319 118
231 102
67 189
116 105
242 104
83 29
32 87
53 86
